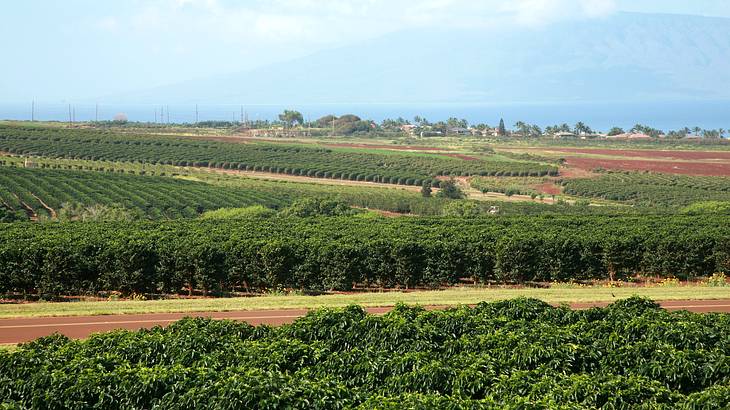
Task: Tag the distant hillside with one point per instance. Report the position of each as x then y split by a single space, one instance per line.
624 57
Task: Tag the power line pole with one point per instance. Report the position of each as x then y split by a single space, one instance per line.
32 111
168 115
70 119
241 114
155 120
196 113
96 112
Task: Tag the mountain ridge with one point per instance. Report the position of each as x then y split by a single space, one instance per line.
627 56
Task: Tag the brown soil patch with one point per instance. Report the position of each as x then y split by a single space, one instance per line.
548 188
658 154
685 168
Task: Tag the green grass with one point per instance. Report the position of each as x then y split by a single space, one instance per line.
449 297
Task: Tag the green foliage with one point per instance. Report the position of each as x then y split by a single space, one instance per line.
652 189
309 207
97 213
615 131
337 252
707 207
466 209
7 215
426 190
514 354
509 186
257 211
392 168
79 195
450 189
291 117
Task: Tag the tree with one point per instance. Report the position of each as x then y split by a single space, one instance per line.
522 128
291 117
426 189
325 122
501 130
580 128
461 209
317 207
449 189
615 131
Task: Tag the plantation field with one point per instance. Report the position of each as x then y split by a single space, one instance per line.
339 253
394 168
44 191
651 189
519 353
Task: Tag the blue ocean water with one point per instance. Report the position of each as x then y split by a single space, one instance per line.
600 116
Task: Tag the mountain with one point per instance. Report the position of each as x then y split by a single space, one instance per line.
624 57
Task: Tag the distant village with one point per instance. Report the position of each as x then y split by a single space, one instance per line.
292 123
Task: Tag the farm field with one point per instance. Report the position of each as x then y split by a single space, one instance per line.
162 192
684 162
661 189
509 354
403 168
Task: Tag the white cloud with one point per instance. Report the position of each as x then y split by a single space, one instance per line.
338 21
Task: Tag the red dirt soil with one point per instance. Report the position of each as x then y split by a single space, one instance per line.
685 168
681 155
548 188
78 327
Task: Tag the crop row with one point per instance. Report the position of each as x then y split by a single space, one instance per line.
45 191
408 169
646 188
337 253
515 354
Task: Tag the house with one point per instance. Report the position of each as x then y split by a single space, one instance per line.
409 129
692 137
459 131
564 134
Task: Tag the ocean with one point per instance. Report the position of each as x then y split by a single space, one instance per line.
600 116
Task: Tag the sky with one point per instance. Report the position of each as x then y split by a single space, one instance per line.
89 49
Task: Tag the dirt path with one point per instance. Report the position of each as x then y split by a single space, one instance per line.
23 330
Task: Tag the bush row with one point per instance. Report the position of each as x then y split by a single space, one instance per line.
336 253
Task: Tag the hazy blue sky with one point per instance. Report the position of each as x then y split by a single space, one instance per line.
54 50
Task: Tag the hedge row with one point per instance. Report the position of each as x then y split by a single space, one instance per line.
336 253
515 354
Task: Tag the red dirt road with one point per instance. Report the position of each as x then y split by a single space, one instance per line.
23 330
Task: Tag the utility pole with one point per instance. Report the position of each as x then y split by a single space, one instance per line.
196 113
241 114
155 120
96 112
32 111
168 115
70 119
